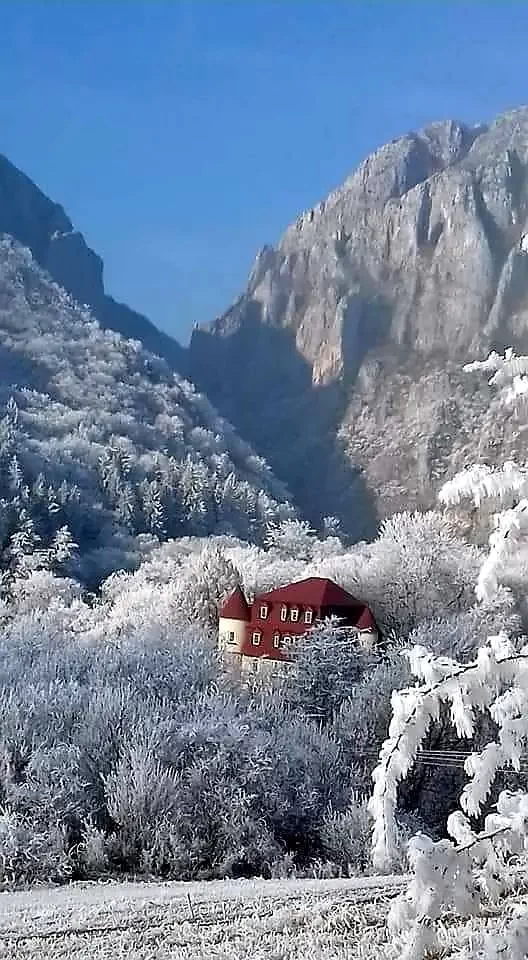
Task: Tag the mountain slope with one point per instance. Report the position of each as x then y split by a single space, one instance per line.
38 223
341 360
97 434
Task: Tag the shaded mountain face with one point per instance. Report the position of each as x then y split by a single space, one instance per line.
36 222
341 362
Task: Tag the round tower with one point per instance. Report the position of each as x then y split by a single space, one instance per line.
232 623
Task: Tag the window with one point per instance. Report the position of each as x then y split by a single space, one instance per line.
286 640
256 638
294 614
284 613
308 616
276 640
231 636
263 612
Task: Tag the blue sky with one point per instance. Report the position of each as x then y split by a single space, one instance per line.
182 135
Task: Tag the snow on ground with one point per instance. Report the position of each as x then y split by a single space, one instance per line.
225 920
219 920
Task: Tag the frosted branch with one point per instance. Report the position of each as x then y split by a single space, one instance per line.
444 872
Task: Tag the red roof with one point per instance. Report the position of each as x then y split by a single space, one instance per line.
236 607
315 591
366 621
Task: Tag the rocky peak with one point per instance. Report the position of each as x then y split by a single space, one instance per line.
38 223
373 298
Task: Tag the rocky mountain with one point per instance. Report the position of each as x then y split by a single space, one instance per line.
42 226
341 360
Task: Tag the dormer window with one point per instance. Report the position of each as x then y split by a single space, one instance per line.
263 611
284 613
256 638
294 614
308 616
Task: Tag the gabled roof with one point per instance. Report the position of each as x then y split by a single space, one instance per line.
315 591
236 607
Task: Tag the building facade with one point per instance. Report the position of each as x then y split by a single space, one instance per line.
264 629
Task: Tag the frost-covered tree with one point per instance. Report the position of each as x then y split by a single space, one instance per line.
460 873
291 539
327 664
208 581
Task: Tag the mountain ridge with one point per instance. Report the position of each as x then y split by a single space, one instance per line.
42 225
374 298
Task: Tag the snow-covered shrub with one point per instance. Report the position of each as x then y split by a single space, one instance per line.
416 568
28 855
360 724
346 838
142 801
94 852
460 635
223 793
328 663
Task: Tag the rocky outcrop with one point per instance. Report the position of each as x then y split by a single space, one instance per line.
341 361
38 223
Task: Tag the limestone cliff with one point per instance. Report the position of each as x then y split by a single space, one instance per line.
341 361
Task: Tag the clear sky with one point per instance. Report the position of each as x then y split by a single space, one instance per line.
182 135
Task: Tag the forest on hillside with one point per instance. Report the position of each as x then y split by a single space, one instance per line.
104 452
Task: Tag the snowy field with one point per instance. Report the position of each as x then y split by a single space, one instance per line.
231 920
225 920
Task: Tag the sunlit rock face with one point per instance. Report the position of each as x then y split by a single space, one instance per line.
341 360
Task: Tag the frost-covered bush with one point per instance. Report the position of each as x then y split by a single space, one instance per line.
28 855
360 724
416 569
328 662
345 838
460 634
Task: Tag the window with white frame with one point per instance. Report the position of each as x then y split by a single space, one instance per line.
256 638
263 611
294 614
284 613
276 640
308 616
231 636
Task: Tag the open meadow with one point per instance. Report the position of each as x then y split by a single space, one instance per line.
276 920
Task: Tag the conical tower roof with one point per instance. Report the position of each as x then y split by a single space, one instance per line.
236 607
366 621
